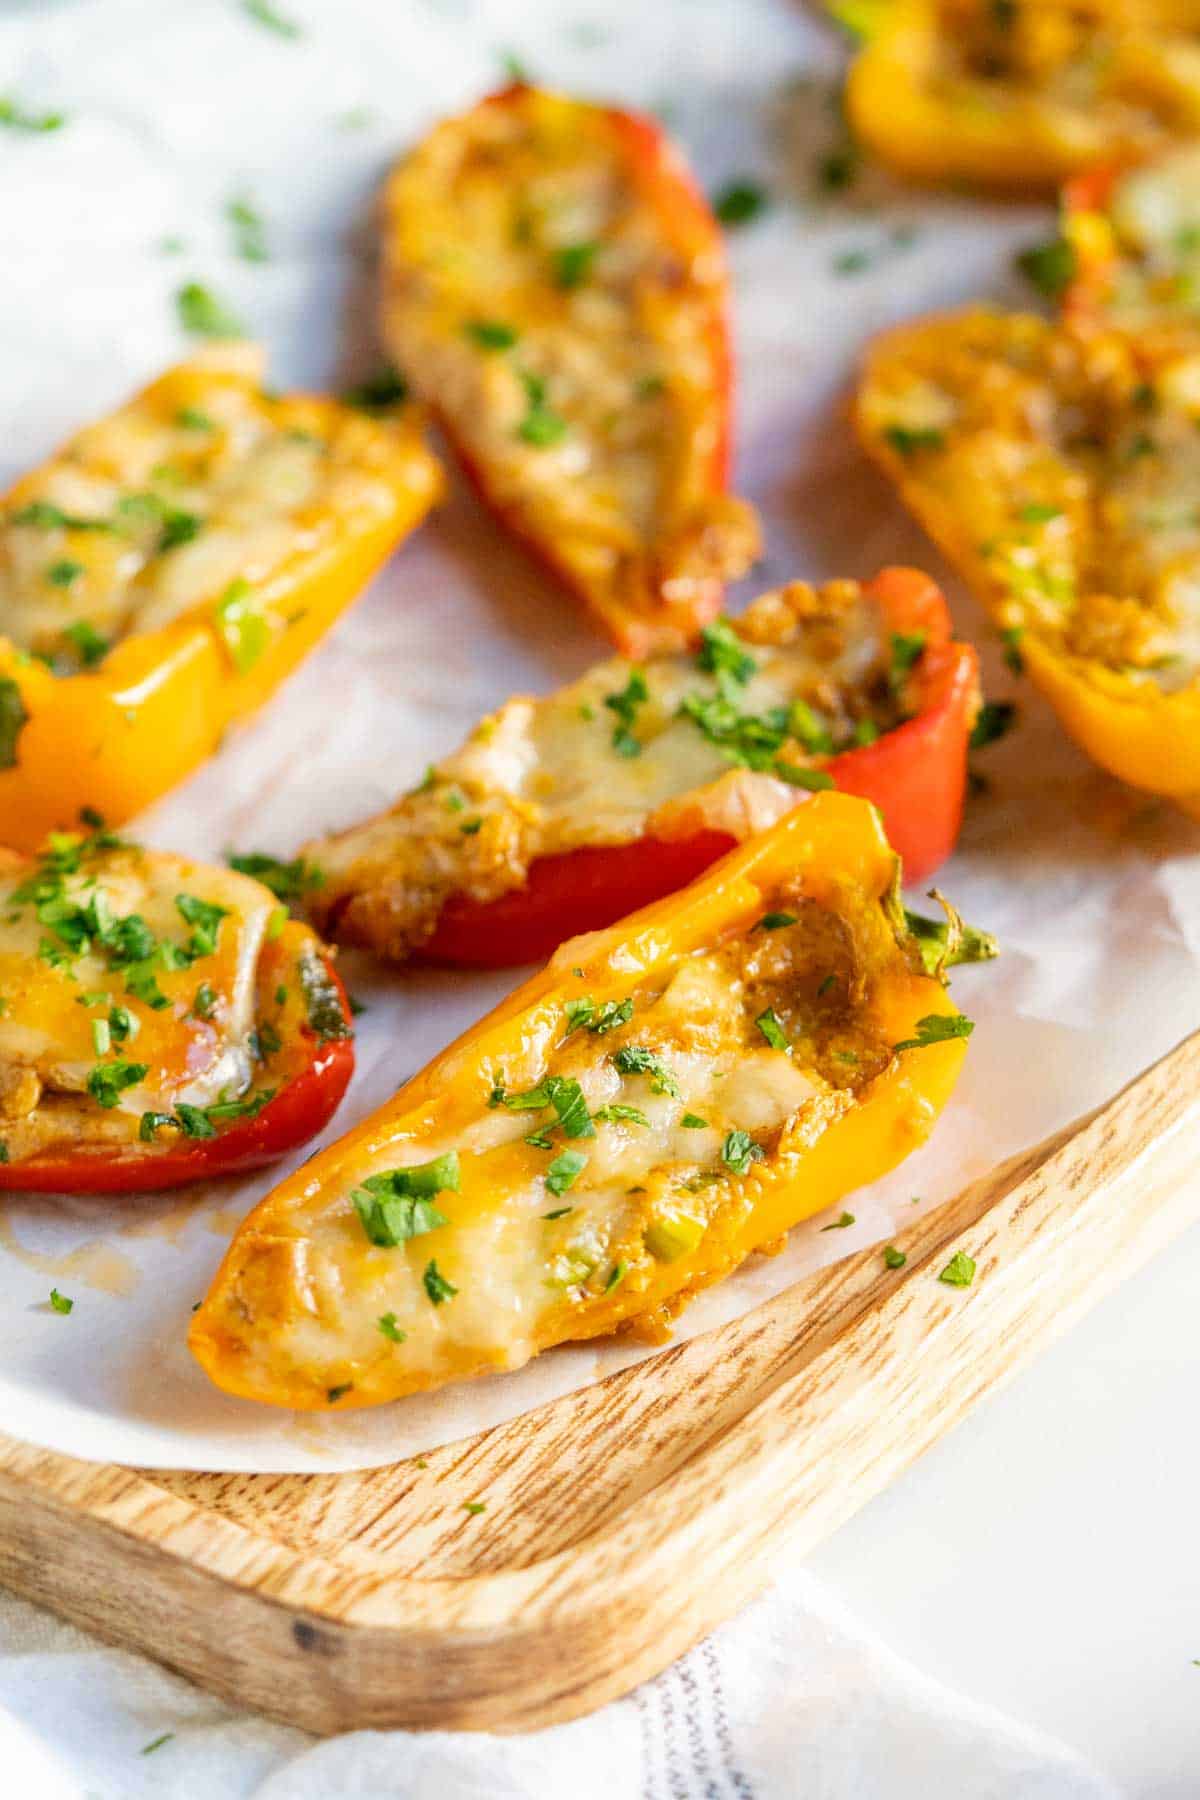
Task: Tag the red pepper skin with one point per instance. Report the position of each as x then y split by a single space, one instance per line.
317 1078
916 775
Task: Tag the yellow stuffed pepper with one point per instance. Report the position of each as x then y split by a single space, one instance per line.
165 570
1131 251
665 1097
1024 94
1060 471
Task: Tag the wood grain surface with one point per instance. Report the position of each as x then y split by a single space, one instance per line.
623 1522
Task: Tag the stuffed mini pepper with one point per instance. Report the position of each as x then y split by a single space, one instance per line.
165 570
1061 472
558 815
1131 249
1024 94
160 1021
555 287
661 1100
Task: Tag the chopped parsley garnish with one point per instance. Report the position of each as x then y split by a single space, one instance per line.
573 264
566 1097
390 1329
436 1285
204 1004
263 13
796 775
740 1150
693 1122
156 1743
108 1081
775 921
906 440
995 720
721 651
1036 512
841 1223
44 515
740 202
190 418
959 1271
635 1059
90 647
541 426
491 334
893 1258
14 117
64 573
13 719
1050 266
772 1029
625 704
1011 639
560 1212
474 1507
242 628
201 313
618 1113
906 651
565 1170
61 1303
378 392
937 1028
249 230
598 1019
287 880
334 1394
204 917
398 1204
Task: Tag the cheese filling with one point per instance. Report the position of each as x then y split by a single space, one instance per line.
1069 469
198 491
622 1137
723 741
127 987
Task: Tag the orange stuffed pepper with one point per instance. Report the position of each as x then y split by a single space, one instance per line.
170 566
1060 471
1023 95
555 287
558 815
664 1098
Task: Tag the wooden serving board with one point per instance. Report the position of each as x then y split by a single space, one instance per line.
622 1522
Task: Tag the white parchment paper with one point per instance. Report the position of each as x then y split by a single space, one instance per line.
173 110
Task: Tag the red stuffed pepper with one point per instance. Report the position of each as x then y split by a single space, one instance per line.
161 1022
555 287
562 814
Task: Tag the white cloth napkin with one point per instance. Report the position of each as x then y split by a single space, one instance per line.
790 1701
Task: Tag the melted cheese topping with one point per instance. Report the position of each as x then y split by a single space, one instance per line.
667 749
127 985
1063 472
570 333
621 1154
200 482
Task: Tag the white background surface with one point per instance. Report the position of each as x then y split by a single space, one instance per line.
1043 1557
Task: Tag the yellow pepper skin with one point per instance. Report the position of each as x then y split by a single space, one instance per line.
953 91
115 736
962 411
311 1309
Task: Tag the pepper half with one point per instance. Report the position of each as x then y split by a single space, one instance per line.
1133 244
559 815
167 569
1060 471
160 1022
661 1100
555 287
1024 95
